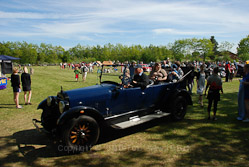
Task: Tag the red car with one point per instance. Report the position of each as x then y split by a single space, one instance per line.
146 67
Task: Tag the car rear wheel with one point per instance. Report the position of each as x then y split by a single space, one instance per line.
81 133
178 108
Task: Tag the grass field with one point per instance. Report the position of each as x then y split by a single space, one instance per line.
195 141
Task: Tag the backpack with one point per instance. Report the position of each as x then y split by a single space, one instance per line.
85 69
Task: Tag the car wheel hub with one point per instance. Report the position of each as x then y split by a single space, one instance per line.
82 135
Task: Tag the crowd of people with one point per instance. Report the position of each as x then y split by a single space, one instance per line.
164 71
160 73
80 68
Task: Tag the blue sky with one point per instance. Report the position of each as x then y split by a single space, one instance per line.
98 22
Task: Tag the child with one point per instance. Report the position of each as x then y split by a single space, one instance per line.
76 71
246 92
214 83
200 80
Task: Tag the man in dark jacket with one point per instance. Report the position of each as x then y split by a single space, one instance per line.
140 79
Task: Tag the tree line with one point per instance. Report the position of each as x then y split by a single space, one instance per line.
183 50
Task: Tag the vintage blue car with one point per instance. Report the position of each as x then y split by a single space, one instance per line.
78 116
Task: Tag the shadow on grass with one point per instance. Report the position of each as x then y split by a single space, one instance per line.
209 143
73 81
7 105
33 145
224 142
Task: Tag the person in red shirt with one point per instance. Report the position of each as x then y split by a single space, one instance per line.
214 83
228 70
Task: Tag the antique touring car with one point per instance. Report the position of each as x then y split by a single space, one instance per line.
78 116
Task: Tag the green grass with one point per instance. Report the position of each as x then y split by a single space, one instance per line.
195 141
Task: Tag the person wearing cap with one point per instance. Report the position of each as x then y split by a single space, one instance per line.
140 79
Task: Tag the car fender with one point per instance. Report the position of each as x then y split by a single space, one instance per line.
169 98
77 111
42 104
184 93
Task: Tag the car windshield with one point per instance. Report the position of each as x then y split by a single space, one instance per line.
111 73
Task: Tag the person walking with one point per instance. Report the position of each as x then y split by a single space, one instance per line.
232 69
200 80
214 83
77 72
84 70
15 83
26 85
190 78
228 70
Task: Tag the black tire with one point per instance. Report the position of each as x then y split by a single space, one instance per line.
80 134
178 108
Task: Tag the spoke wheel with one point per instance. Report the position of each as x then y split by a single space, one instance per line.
81 133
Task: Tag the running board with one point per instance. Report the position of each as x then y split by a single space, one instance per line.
135 120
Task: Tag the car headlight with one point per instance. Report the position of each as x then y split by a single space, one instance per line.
61 106
49 100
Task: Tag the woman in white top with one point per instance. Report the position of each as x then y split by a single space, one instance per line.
200 80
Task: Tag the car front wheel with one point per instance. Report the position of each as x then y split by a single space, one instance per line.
178 108
81 133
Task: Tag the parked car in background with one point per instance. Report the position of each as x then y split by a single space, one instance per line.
222 72
146 67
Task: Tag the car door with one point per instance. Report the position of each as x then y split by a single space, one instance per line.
117 101
138 98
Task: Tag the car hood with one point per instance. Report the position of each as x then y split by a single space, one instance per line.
89 96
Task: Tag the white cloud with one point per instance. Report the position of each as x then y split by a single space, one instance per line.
179 32
81 19
19 34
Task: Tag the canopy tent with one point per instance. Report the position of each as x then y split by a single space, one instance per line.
5 57
6 64
109 63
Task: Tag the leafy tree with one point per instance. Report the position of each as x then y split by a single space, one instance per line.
204 47
225 46
182 48
215 46
5 48
243 49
